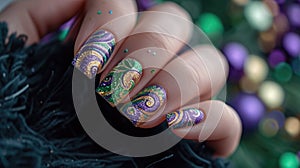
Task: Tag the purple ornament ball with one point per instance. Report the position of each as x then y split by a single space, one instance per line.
236 55
250 109
293 13
291 43
276 57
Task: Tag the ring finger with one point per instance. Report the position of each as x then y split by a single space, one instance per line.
192 77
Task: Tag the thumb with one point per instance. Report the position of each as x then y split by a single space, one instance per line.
36 18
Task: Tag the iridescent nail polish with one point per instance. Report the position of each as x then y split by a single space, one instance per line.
185 118
120 81
145 104
95 53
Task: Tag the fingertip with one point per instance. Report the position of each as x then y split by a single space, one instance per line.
221 128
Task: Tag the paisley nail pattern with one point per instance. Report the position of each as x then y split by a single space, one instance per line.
120 81
145 104
95 53
185 118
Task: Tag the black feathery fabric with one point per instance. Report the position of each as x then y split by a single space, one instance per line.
39 126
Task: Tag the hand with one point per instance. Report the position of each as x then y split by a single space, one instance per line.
120 47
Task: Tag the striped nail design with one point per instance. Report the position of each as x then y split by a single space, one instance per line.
95 53
185 118
145 104
120 81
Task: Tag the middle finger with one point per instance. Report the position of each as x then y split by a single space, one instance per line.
156 33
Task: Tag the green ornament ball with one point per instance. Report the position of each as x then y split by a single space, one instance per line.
288 160
210 24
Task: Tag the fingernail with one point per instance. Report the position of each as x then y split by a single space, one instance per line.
185 118
95 53
120 81
145 104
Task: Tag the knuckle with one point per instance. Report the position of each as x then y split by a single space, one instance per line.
160 39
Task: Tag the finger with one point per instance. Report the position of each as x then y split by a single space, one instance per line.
191 77
105 24
147 52
210 121
36 18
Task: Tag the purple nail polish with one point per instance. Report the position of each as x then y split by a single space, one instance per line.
185 118
145 104
95 53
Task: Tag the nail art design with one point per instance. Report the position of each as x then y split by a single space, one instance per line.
185 118
120 81
145 104
95 53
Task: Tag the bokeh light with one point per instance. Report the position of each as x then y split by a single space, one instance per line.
283 72
278 116
288 160
258 15
272 123
291 43
261 42
281 24
271 94
276 57
273 6
248 85
267 40
292 126
256 69
293 13
269 127
236 54
250 109
211 25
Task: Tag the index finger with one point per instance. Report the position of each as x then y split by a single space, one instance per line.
105 23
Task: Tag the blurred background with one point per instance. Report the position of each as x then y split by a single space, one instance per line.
261 41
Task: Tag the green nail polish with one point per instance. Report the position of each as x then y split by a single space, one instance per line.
120 81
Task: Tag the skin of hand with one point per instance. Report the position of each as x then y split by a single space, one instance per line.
109 49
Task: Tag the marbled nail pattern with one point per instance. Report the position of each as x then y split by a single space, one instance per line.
145 104
185 118
95 53
120 81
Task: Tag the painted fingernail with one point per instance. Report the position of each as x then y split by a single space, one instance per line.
185 118
120 81
145 104
95 53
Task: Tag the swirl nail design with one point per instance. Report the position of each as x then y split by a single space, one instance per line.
145 104
185 118
95 53
120 81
